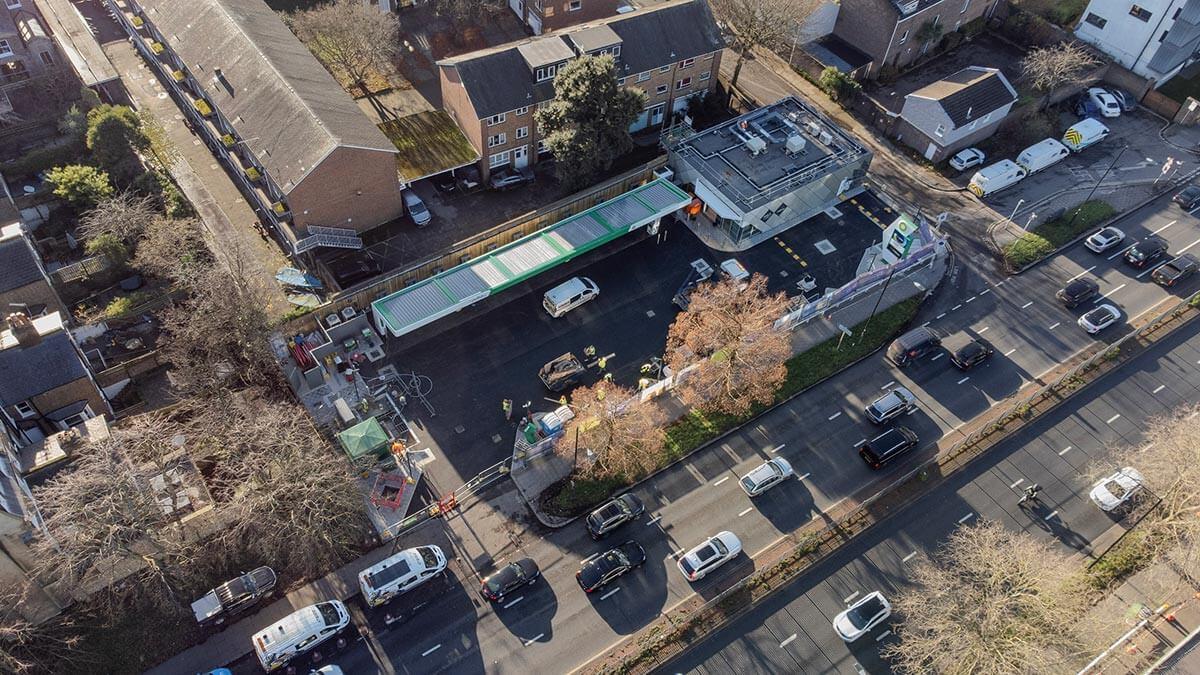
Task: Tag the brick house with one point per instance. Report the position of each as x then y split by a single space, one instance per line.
672 52
299 147
544 16
23 280
955 112
27 55
886 30
47 385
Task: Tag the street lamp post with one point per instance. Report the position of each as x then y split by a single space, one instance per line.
1014 211
878 299
1075 213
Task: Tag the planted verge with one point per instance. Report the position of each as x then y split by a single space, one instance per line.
574 495
1045 239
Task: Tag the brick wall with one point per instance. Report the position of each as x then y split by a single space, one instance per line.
875 27
352 188
557 14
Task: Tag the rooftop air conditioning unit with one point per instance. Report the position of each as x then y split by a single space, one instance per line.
813 128
795 144
755 145
826 137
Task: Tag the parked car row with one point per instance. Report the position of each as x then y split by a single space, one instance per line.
1041 155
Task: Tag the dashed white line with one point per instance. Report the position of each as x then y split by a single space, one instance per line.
966 518
1158 388
653 520
610 593
1056 325
940 316
1026 305
778 447
970 299
432 649
1164 227
955 307
964 379
860 442
675 554
850 598
720 481
988 290
1105 295
1151 269
999 283
745 512
835 415
887 385
1009 352
804 476
1114 418
940 355
1019 481
1065 450
534 639
510 604
1051 514
984 329
883 635
787 641
908 557
1082 273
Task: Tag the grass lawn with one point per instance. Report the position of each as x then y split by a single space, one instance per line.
1047 237
575 495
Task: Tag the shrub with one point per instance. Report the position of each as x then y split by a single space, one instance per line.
840 86
81 186
42 159
1132 554
125 305
110 247
1047 237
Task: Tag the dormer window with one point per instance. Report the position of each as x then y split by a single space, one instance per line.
546 73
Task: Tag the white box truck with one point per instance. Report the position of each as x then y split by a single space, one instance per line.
995 177
1084 134
1042 154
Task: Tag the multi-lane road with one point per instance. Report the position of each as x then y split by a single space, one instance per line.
554 627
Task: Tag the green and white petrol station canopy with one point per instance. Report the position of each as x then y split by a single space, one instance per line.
463 285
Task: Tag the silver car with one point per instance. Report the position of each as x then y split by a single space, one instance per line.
897 402
766 476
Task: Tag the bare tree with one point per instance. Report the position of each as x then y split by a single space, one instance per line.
352 38
728 334
991 601
125 216
173 249
29 647
1048 68
624 434
762 23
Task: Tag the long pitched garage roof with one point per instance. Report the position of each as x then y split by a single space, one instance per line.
420 304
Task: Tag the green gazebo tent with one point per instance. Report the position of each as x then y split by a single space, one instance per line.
363 439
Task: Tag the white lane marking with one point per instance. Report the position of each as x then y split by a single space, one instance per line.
883 635
591 557
653 520
887 385
1114 418
938 356
1164 227
534 639
804 476
860 442
610 593
787 641
908 557
964 379
925 324
432 649
835 415
955 307
851 597
1185 248
966 518
988 290
970 299
1120 253
778 447
675 554
510 604
1019 481
1151 269
1000 283
940 316
745 512
984 329
1026 305
1051 514
1105 295
1158 388
1065 450
1009 352
721 481
1056 325
1082 273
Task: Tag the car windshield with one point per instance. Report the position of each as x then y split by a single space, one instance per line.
720 546
623 507
329 613
617 559
498 581
861 615
1115 489
686 564
749 483
429 558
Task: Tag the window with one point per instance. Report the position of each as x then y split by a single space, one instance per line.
13 4
495 119
24 409
542 147
575 6
940 130
903 38
665 68
5 48
546 73
662 89
1139 12
642 77
498 139
621 81
1163 36
684 83
522 132
1176 14
1095 20
47 58
687 63
76 419
616 50
499 159
705 75
522 111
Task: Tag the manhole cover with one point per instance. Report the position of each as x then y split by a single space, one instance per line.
496 438
783 273
650 313
459 429
825 247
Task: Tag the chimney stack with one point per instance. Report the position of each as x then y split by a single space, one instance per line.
23 330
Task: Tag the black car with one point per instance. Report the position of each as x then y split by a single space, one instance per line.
614 514
354 269
972 353
599 572
1145 252
1172 272
509 578
234 596
1188 197
887 446
1077 291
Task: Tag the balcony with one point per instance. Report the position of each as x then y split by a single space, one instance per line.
178 75
202 107
137 21
157 47
228 141
253 173
279 208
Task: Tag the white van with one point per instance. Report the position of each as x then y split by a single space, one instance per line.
1042 154
1085 133
995 177
400 573
568 295
299 632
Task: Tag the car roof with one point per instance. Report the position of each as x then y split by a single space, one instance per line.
1082 284
762 472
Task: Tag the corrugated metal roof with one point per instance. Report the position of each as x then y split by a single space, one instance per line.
464 281
415 303
488 271
527 255
658 195
578 231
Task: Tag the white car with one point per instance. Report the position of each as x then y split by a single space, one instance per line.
710 555
1104 239
1100 318
1108 104
766 476
965 159
1112 492
858 620
897 402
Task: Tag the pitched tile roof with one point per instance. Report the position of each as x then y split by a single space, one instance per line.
29 371
282 101
970 93
18 266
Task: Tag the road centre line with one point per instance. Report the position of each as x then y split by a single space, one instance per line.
745 512
1065 450
939 355
940 316
1148 271
887 385
970 299
1056 325
510 604
787 641
432 649
804 476
966 518
835 415
1114 418
988 290
610 593
1105 295
955 307
1009 352
964 379
1019 481
984 329
534 639
720 481
851 597
653 520
1026 305
1158 388
1051 514
883 635
1082 273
